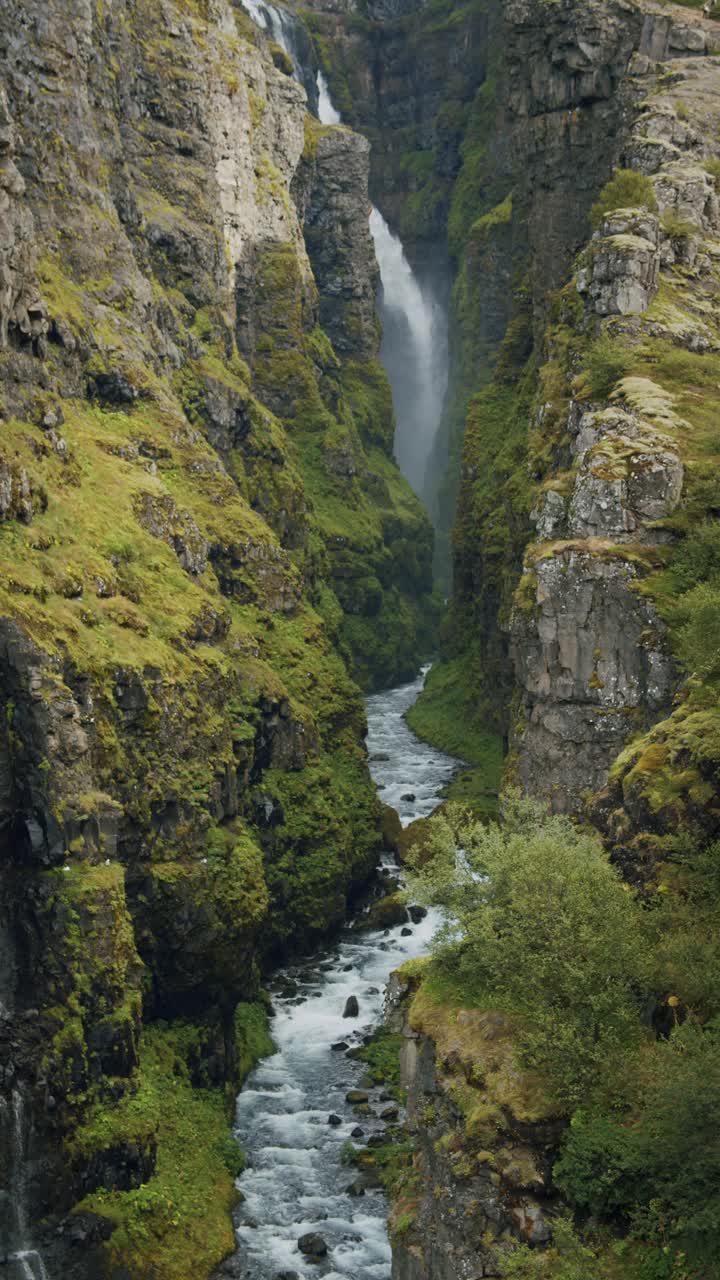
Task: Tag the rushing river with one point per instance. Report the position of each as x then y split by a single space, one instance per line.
295 1182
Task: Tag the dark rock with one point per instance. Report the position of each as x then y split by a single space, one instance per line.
417 913
312 1245
406 933
390 1113
356 1189
409 796
339 1045
356 1097
352 1008
357 1132
334 1120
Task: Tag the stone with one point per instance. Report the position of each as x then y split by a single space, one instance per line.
417 913
352 1008
356 1097
406 933
355 1189
339 1046
312 1245
334 1120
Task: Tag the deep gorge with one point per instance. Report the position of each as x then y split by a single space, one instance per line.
263 453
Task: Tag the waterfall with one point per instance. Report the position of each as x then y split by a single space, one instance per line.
414 351
22 1261
284 28
326 111
414 348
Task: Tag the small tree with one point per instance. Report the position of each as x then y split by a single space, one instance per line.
539 924
627 189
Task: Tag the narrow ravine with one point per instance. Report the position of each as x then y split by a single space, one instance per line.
295 1182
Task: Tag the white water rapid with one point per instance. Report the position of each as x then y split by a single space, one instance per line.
295 1182
22 1261
414 348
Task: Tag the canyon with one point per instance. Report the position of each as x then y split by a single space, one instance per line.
335 338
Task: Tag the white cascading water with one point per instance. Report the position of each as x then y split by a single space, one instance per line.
296 1182
414 348
326 111
23 1262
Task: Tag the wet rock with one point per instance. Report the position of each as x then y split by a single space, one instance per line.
348 968
357 1132
376 1140
334 1120
389 1113
409 796
287 1275
339 1046
417 914
372 991
312 1245
386 913
356 1097
406 933
379 757
352 1008
356 1189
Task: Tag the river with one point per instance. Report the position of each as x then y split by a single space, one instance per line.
295 1182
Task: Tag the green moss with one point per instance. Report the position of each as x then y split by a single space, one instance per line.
445 715
178 1223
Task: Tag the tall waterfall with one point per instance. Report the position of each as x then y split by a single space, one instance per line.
414 345
22 1261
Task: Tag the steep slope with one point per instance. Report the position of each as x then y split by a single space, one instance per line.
202 527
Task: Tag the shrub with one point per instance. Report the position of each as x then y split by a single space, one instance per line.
625 190
540 925
605 364
698 639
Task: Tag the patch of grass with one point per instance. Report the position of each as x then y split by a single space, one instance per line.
627 189
445 716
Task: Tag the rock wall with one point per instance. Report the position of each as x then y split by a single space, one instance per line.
202 530
483 1141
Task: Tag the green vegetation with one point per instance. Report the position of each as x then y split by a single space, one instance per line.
178 1222
539 924
542 938
606 362
445 716
627 189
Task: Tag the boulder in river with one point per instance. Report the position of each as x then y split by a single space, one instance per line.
352 1008
334 1120
312 1245
356 1189
339 1046
356 1097
287 1275
357 1132
385 913
409 796
417 913
406 933
389 1113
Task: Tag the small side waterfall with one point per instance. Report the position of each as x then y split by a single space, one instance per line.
21 1261
326 111
414 347
284 28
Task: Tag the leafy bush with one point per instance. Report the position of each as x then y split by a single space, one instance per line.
698 640
625 190
566 1259
662 1168
541 926
605 364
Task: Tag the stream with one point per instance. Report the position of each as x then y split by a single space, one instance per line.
295 1182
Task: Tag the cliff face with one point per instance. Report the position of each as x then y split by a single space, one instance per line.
202 527
595 463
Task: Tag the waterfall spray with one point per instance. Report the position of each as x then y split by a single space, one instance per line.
414 344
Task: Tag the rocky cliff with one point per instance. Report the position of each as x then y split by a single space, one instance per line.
202 532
